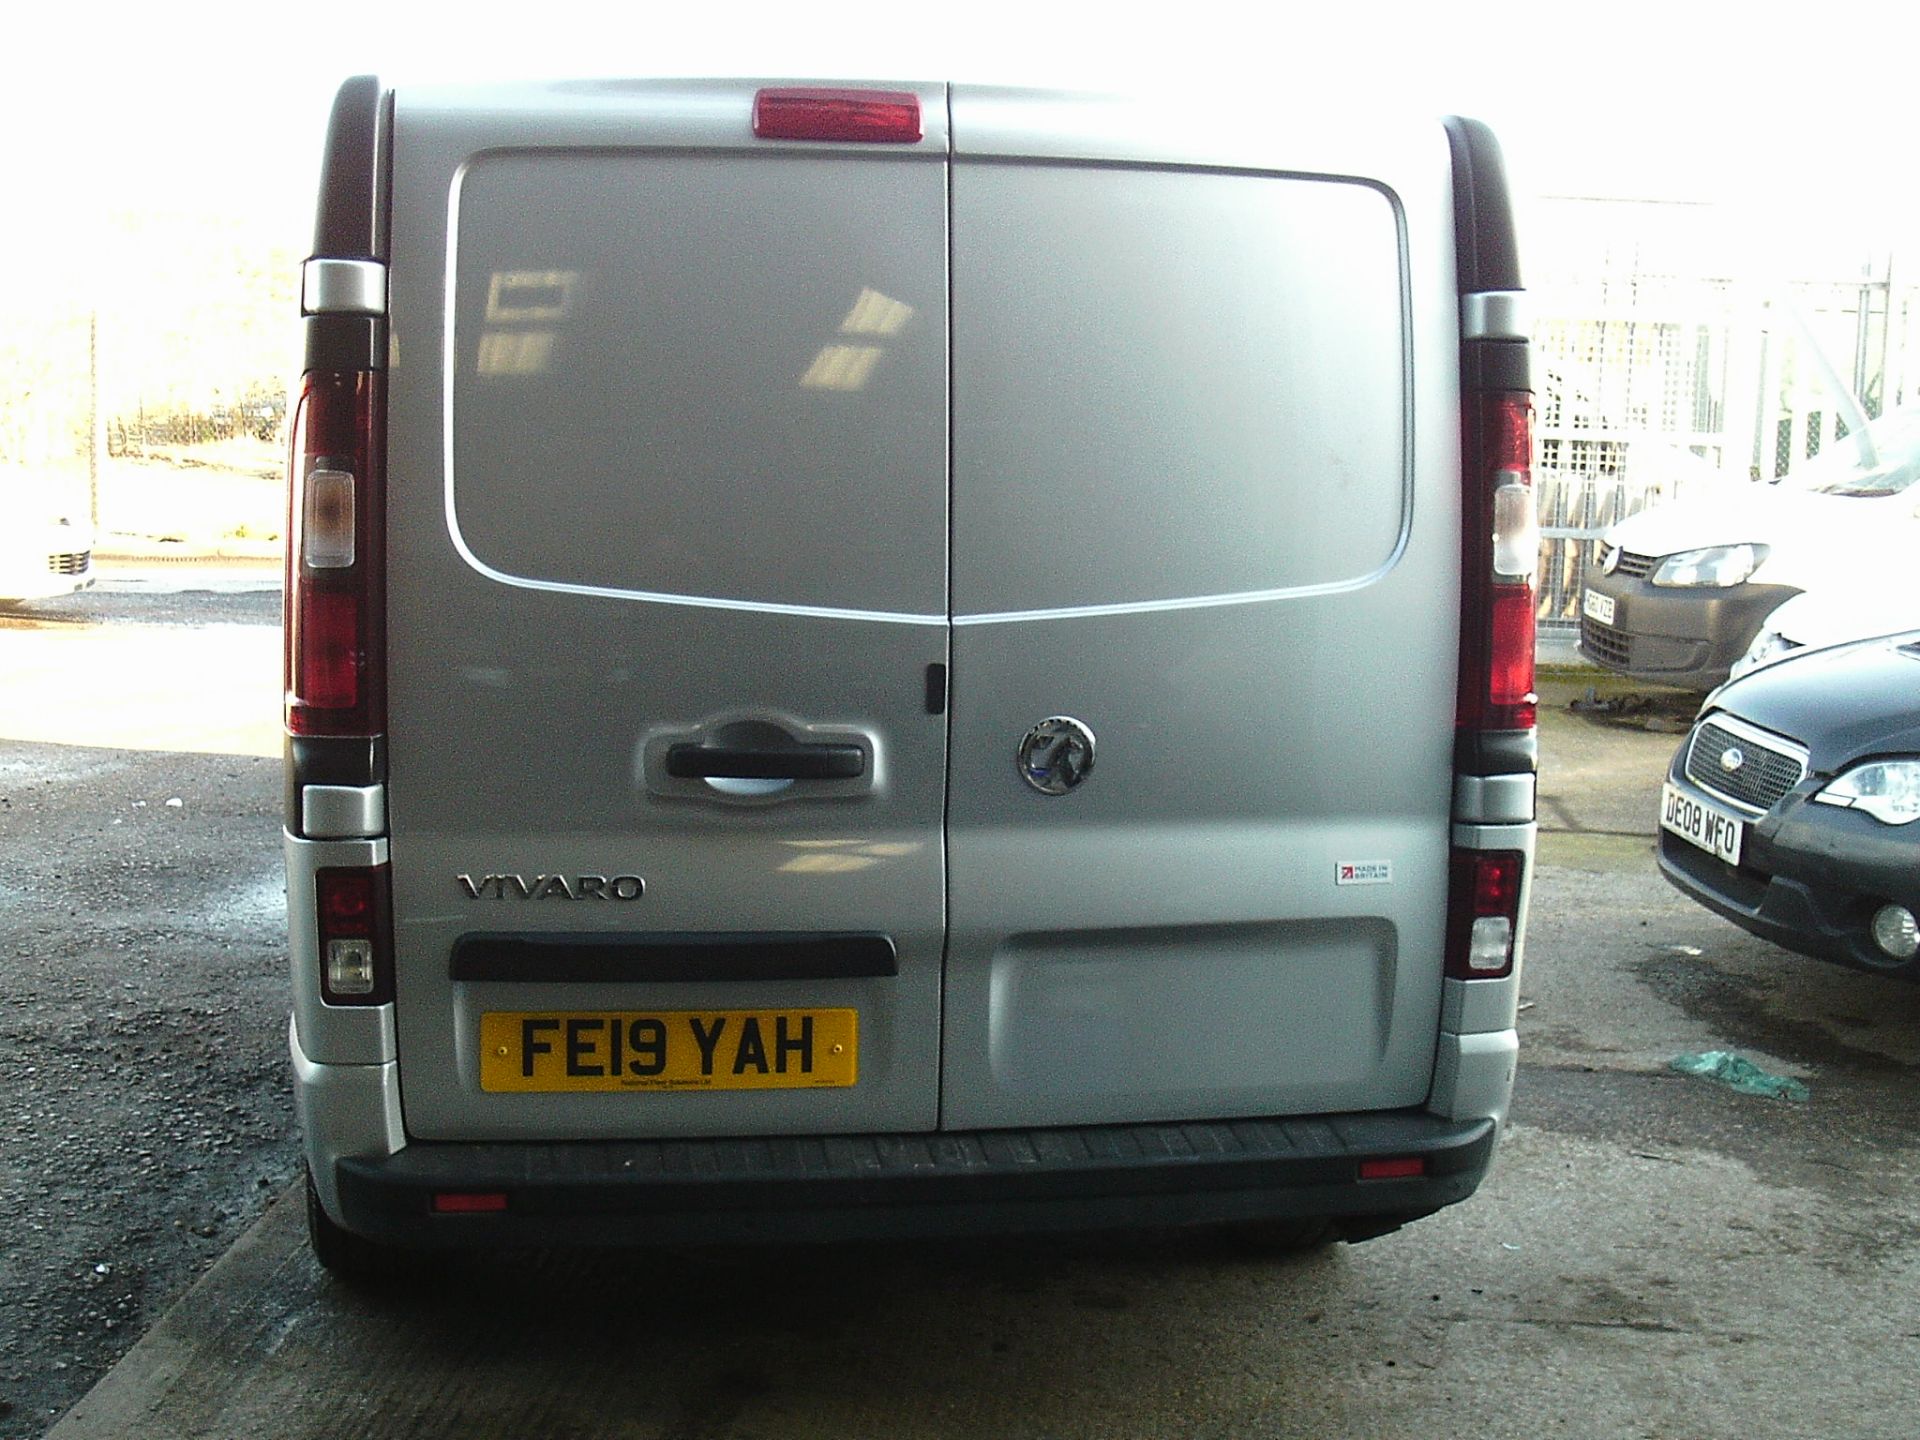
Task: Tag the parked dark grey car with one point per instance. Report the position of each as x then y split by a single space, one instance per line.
1793 807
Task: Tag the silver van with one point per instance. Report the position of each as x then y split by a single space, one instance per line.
902 660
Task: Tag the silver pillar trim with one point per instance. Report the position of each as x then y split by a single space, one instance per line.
343 812
1493 799
1496 315
343 287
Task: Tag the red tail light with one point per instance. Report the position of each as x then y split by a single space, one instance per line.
335 666
1483 913
354 910
1499 553
884 116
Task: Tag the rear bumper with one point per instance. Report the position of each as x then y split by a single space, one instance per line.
898 1186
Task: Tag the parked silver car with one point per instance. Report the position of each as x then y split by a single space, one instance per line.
1685 588
43 553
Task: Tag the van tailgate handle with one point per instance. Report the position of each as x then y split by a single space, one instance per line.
756 762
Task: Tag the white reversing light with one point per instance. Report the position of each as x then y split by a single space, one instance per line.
327 522
350 967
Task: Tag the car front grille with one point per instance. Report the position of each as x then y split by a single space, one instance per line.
1604 643
1765 766
77 563
1633 566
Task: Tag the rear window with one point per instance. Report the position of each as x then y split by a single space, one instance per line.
709 376
1172 384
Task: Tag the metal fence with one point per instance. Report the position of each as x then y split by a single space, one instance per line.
1575 511
1662 321
1662 366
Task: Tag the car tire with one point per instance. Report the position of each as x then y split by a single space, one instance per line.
349 1257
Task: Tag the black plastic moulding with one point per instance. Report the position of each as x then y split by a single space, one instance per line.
1496 365
546 957
1496 752
350 220
349 224
1489 253
329 760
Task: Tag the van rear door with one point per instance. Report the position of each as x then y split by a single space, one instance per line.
1205 508
668 618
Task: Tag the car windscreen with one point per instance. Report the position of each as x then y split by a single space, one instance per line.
1887 463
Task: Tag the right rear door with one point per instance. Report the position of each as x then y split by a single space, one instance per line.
1205 504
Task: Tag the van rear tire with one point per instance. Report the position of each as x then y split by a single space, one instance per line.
348 1257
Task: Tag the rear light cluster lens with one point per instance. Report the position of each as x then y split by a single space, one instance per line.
889 117
335 620
355 916
1483 913
1500 553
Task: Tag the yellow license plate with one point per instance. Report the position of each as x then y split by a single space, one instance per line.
584 1050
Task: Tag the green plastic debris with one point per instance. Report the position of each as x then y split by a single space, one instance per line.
1741 1074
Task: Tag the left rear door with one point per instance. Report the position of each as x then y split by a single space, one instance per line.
668 449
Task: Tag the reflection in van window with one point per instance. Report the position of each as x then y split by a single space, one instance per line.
661 393
530 295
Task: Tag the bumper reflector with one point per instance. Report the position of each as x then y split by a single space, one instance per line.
469 1202
1405 1167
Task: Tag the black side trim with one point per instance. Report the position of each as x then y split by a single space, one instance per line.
345 228
616 959
789 1188
346 342
1496 752
314 760
1489 253
1496 365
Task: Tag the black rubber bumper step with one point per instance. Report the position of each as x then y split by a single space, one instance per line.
850 1186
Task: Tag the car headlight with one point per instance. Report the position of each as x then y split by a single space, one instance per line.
1888 790
1717 567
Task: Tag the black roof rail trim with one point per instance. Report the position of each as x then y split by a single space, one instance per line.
1489 254
349 225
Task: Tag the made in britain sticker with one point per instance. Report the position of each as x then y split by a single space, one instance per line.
1363 872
